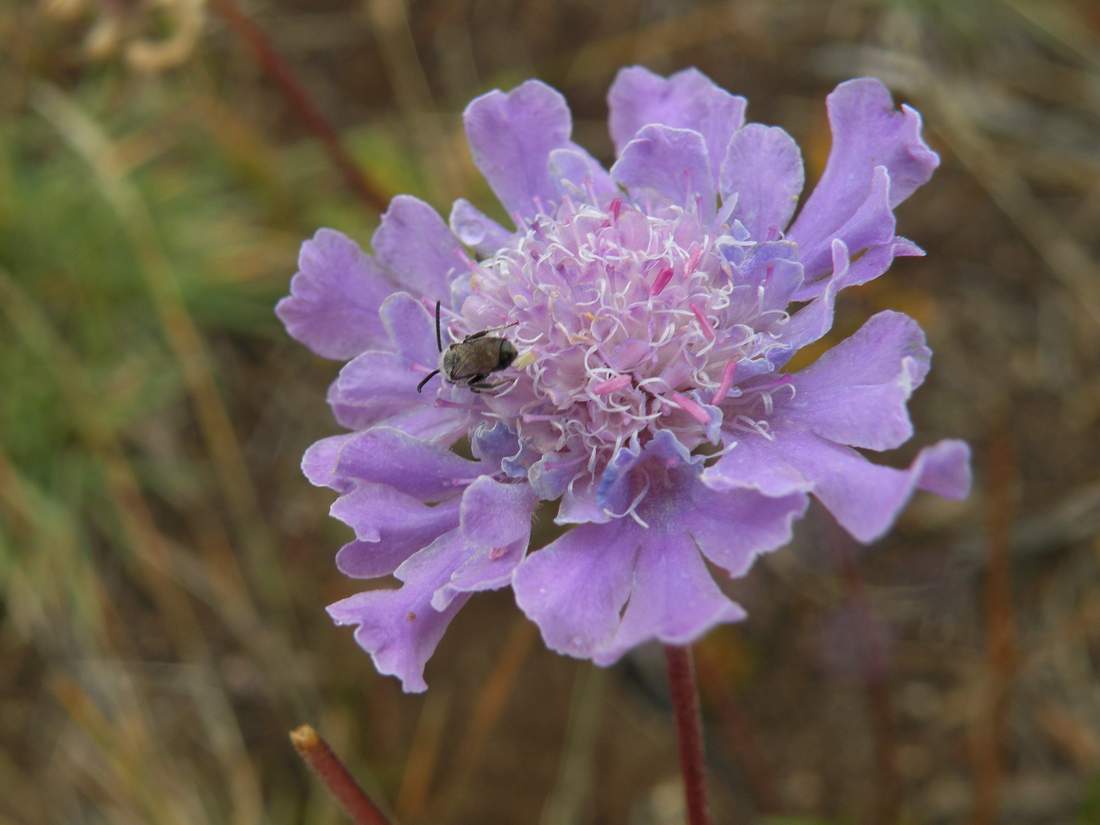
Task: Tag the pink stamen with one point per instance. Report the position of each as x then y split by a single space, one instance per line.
616 207
497 553
612 385
708 330
661 281
693 261
690 407
726 383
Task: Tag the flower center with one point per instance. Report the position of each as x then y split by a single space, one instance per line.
627 323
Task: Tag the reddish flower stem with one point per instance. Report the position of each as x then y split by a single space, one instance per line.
689 731
316 753
299 99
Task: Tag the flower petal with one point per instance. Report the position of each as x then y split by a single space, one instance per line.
385 455
730 525
321 459
877 260
685 100
673 597
424 419
476 229
669 163
574 589
733 528
334 297
399 628
511 136
865 498
374 386
578 173
496 514
486 568
815 319
871 224
389 527
773 266
615 487
551 474
494 443
411 329
856 393
868 132
751 465
496 524
579 504
414 243
763 167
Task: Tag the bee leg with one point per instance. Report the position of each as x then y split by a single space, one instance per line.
474 336
477 383
426 379
487 386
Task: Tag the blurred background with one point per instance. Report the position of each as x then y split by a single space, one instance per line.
164 566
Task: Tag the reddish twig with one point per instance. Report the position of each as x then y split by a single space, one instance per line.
689 731
296 95
340 783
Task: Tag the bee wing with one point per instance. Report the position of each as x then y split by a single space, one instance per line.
475 358
461 367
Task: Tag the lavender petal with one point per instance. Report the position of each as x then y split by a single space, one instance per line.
334 297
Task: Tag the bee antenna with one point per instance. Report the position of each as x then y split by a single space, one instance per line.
438 333
426 379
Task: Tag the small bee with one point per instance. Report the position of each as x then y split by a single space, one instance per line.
473 358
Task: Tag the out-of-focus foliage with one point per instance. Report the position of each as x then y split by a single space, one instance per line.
163 566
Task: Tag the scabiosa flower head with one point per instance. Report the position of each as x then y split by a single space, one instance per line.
654 307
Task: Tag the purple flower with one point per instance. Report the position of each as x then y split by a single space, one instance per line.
654 307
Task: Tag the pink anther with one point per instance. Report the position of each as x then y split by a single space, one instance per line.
612 385
690 407
727 382
661 281
693 261
708 330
